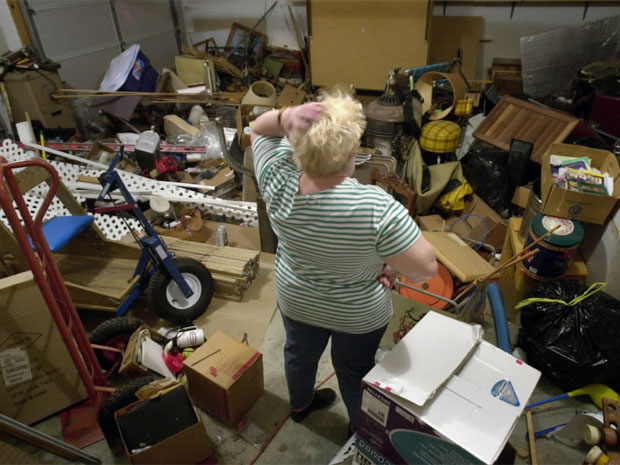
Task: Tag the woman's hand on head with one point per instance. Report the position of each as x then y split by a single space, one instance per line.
301 117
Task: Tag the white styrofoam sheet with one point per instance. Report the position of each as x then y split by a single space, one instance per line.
427 355
477 404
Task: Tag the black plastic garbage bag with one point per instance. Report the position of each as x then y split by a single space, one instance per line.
487 172
573 345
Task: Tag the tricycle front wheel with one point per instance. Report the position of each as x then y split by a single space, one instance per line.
167 300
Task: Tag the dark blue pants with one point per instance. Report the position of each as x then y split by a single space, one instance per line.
353 355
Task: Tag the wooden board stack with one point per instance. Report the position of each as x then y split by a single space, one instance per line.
233 269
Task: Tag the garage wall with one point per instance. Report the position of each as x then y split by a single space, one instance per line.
212 18
602 253
501 34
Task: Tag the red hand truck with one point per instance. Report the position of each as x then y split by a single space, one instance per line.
46 274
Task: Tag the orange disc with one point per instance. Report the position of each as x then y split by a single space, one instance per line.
442 284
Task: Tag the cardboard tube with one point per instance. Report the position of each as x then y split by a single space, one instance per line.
425 87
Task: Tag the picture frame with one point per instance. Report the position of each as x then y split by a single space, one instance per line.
244 44
210 46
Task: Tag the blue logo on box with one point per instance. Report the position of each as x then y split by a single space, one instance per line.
138 69
506 392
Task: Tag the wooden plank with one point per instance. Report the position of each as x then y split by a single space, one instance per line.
457 256
20 23
531 437
106 276
8 243
359 41
232 269
513 118
449 33
228 296
211 250
31 177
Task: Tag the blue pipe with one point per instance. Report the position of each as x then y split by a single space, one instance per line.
499 315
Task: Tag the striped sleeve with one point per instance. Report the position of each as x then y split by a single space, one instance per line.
272 156
397 231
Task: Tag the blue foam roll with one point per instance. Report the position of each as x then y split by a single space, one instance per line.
499 315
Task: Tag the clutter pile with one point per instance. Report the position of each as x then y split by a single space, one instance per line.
141 203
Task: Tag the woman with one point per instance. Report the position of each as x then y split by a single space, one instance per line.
341 245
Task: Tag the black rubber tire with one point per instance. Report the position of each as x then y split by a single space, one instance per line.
123 396
114 332
156 292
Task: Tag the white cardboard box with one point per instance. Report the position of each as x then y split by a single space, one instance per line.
442 395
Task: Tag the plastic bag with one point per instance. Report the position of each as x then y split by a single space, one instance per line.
209 138
452 199
487 172
573 345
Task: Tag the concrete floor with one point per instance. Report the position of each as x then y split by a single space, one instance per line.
320 436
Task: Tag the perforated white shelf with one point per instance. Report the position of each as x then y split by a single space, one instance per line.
112 226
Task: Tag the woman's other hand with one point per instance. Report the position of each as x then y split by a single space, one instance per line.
388 276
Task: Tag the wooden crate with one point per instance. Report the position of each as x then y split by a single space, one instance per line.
513 118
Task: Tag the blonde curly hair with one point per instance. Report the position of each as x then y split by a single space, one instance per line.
327 146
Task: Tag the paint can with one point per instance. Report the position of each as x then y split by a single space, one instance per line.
534 206
190 337
556 252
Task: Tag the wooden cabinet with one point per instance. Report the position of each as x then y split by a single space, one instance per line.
358 41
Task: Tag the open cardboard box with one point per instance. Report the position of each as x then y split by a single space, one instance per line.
442 395
472 226
176 414
581 206
140 359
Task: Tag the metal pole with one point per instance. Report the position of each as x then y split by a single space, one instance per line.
21 431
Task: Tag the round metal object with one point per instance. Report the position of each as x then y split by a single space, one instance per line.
176 298
442 284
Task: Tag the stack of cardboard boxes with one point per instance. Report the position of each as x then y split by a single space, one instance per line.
585 207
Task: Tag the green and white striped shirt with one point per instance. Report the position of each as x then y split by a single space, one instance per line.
330 244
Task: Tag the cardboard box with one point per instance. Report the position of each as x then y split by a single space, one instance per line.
175 126
189 445
442 395
472 227
462 261
521 196
225 377
291 96
475 228
244 116
131 365
29 92
37 375
581 206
